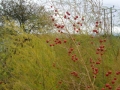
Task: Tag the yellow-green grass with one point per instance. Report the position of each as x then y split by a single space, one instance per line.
31 64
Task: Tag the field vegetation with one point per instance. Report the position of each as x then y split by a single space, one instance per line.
59 59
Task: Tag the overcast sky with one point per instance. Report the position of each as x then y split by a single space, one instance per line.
108 3
111 3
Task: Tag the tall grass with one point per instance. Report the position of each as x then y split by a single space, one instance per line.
31 64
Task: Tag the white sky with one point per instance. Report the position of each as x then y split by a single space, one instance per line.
108 3
111 3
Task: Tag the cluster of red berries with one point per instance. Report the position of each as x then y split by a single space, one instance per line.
68 13
76 17
52 18
108 73
108 85
57 41
75 74
59 26
94 67
70 50
96 24
74 58
101 41
100 50
95 31
67 16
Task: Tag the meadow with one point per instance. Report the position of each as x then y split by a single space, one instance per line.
71 48
57 62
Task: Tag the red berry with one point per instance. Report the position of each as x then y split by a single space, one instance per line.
96 69
77 31
107 85
117 73
78 22
97 52
68 13
65 41
88 86
71 49
55 24
76 16
104 40
102 49
103 89
73 25
110 87
58 26
57 39
115 78
59 42
96 22
98 49
65 16
97 62
53 19
69 52
109 72
56 11
50 45
95 73
47 41
82 19
93 68
74 28
95 31
59 31
76 59
118 89
96 25
60 82
62 26
81 24
101 41
113 82
74 73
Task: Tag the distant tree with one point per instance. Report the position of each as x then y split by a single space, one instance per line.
24 11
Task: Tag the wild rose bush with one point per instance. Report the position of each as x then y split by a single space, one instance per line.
86 73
